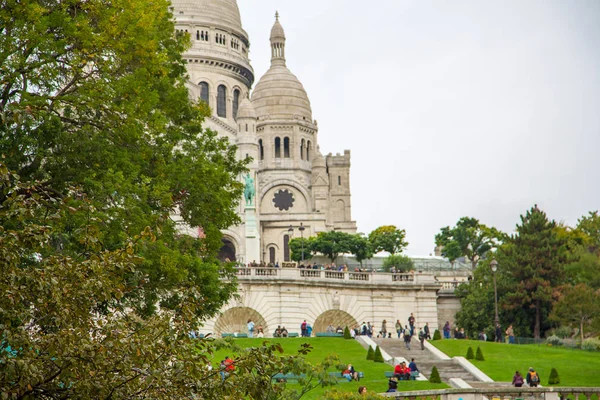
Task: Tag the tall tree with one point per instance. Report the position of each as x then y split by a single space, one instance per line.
361 248
590 226
578 305
301 247
388 238
468 238
93 96
535 258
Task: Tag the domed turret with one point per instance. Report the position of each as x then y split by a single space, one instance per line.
279 94
218 13
246 110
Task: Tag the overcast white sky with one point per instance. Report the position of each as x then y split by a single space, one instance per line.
466 108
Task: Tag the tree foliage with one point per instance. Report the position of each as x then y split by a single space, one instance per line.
300 247
479 354
370 353
534 257
360 247
470 354
93 97
469 238
401 262
388 238
377 356
332 243
435 375
577 306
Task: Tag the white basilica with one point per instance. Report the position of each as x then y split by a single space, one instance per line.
294 185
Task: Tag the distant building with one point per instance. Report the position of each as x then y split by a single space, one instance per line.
294 184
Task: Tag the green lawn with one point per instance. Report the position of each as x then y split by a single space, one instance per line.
575 367
349 351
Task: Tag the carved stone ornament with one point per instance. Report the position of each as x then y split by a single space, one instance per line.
283 200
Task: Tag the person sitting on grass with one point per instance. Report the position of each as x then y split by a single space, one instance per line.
362 390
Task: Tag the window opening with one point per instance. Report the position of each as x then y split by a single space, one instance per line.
204 92
277 147
286 147
222 101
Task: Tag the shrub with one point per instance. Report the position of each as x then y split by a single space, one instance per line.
402 263
347 334
554 340
435 375
470 355
563 332
479 354
437 335
336 394
378 357
370 354
591 345
553 379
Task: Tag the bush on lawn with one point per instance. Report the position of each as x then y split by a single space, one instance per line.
347 334
479 354
335 394
470 354
591 344
563 332
435 375
554 340
378 357
370 354
553 379
437 335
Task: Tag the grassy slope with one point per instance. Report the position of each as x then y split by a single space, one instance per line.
349 351
575 367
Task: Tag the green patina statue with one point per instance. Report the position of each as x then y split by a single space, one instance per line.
249 191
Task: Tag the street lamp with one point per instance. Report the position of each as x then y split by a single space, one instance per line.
301 229
494 265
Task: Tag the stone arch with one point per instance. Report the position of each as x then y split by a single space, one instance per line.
228 251
335 318
235 320
339 211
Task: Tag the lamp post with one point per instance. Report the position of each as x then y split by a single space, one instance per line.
291 232
494 265
301 229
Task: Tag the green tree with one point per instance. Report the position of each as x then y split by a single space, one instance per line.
534 257
370 353
479 354
470 355
388 238
347 334
553 379
93 97
332 243
590 225
577 306
468 238
401 262
378 357
360 247
72 334
435 375
301 247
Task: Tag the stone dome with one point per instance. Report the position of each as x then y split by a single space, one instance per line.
279 94
222 13
246 110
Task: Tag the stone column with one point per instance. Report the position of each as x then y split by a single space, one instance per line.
252 235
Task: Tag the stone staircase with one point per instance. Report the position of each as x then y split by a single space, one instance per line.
425 360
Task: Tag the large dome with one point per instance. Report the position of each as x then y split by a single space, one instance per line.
280 94
222 13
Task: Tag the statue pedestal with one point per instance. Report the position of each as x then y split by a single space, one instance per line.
252 235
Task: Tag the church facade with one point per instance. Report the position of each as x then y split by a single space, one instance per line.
291 188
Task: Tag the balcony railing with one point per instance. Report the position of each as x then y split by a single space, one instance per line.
334 276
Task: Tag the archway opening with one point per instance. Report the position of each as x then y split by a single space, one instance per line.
227 252
235 320
335 318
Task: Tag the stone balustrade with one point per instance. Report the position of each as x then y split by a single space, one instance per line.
501 393
299 274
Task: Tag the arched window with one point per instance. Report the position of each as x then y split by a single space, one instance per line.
222 101
204 92
286 248
308 149
246 127
277 147
302 144
286 147
261 149
236 103
197 35
271 255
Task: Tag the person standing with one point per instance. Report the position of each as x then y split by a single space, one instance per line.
384 329
398 328
303 328
422 339
414 371
426 331
411 324
446 330
250 328
407 339
510 332
498 333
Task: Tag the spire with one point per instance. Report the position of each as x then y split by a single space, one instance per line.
277 42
